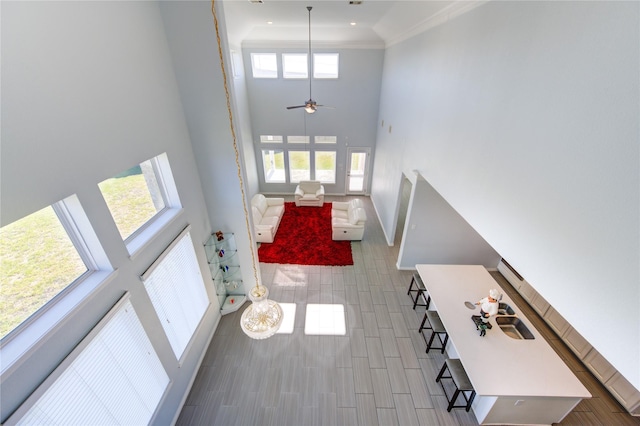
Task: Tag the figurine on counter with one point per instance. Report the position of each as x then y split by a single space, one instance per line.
489 305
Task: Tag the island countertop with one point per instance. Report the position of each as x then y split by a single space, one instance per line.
496 364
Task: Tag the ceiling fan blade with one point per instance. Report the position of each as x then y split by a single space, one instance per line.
297 106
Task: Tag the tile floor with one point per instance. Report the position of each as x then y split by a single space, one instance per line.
376 374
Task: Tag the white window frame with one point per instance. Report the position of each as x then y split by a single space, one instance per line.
22 340
326 139
315 168
169 192
271 139
323 75
115 372
273 152
295 140
288 60
263 73
291 175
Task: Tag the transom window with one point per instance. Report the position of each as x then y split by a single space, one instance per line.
326 139
264 65
325 65
297 139
295 65
270 139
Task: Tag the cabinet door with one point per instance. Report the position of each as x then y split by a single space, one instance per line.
527 291
624 391
599 366
556 321
540 304
576 342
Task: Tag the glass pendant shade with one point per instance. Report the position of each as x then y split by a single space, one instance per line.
263 317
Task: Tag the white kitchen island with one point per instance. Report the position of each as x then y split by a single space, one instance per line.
516 381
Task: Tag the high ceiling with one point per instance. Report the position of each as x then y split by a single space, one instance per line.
377 22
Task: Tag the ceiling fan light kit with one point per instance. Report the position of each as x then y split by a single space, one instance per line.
309 106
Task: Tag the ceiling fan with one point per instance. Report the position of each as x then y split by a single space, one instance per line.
309 106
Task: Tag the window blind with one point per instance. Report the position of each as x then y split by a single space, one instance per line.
176 289
116 378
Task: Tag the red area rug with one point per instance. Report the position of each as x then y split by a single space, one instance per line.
304 238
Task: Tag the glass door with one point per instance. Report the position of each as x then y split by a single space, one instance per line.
358 170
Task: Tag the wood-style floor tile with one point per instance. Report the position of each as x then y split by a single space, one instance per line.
378 373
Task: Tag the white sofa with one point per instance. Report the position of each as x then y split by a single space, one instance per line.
267 214
348 220
309 193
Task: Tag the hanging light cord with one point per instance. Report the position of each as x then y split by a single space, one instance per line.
235 143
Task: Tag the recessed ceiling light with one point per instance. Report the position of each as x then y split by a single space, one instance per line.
269 22
353 24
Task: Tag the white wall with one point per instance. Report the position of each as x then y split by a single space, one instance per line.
199 75
524 116
435 233
88 91
354 95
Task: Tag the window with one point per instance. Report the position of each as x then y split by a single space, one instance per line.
38 261
325 65
294 65
133 197
326 166
299 166
297 139
326 139
113 377
176 289
270 139
273 164
264 65
139 197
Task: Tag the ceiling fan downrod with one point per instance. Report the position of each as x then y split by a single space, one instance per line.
309 57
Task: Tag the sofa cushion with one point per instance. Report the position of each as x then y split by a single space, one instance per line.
342 214
310 186
257 216
276 211
261 203
270 221
356 215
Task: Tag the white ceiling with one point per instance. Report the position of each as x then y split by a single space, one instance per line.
378 22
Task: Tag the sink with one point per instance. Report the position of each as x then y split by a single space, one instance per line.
505 309
513 327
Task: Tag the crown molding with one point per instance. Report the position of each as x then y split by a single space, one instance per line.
448 13
289 44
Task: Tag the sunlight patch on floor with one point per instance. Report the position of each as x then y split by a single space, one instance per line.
290 277
288 319
325 319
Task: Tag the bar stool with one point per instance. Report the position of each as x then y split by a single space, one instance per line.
419 291
461 382
437 329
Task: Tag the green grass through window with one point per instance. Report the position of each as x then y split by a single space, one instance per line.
38 260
